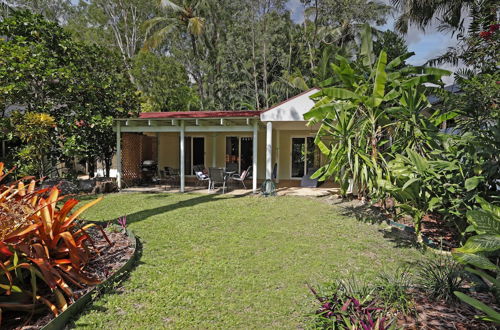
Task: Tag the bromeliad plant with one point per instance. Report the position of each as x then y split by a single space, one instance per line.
369 110
43 249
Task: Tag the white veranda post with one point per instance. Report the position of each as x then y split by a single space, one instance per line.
254 157
182 157
269 150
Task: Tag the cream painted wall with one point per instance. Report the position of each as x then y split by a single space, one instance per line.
169 149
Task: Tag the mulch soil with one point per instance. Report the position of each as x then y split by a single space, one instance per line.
429 314
103 265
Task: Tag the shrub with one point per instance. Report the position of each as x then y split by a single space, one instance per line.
43 249
350 305
392 289
480 254
440 277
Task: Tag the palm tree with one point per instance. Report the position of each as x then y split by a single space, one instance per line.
183 14
449 13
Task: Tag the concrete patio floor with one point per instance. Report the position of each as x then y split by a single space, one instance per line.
285 191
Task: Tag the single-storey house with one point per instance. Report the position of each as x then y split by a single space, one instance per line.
276 143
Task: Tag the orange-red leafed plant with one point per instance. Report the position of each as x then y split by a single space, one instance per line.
43 251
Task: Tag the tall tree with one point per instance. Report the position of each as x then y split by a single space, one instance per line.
82 87
164 83
450 14
185 18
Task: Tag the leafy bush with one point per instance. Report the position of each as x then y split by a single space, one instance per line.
43 250
367 106
351 305
480 254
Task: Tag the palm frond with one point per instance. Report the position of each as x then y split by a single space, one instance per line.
196 25
170 5
152 23
157 38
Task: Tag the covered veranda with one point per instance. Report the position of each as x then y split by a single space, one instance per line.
190 135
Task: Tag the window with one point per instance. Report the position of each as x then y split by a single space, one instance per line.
194 153
305 157
239 153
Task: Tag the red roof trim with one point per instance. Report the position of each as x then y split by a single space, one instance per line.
199 114
215 114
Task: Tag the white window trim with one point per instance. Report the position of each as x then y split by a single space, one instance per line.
290 154
239 137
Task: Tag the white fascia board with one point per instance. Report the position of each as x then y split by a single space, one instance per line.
291 110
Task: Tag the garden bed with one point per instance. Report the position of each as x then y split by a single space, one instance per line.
112 261
431 314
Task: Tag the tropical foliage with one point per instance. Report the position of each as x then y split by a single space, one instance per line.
480 254
163 82
368 110
44 250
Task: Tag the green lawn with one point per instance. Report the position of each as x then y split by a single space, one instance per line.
212 261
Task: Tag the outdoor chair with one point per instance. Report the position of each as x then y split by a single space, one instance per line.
201 176
232 167
241 177
172 176
216 175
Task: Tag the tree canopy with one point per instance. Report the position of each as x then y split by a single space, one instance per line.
81 87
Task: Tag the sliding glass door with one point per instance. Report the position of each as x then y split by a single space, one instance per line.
304 156
194 151
239 153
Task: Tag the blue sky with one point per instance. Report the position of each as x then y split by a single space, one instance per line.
426 45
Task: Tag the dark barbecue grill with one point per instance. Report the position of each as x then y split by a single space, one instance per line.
149 169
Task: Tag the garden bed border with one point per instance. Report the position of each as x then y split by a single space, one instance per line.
77 307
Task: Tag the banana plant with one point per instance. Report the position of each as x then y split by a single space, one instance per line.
359 109
481 254
409 184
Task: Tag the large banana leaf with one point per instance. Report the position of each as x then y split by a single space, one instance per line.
366 50
380 76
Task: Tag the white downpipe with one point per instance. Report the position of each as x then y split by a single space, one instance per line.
269 150
118 156
182 157
277 156
254 160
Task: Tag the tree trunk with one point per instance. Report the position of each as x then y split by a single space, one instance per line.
264 64
91 166
254 67
198 74
107 163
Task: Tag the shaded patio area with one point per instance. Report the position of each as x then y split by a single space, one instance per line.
283 191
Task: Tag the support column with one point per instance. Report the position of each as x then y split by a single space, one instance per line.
214 150
269 150
158 154
277 156
182 157
118 156
254 157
